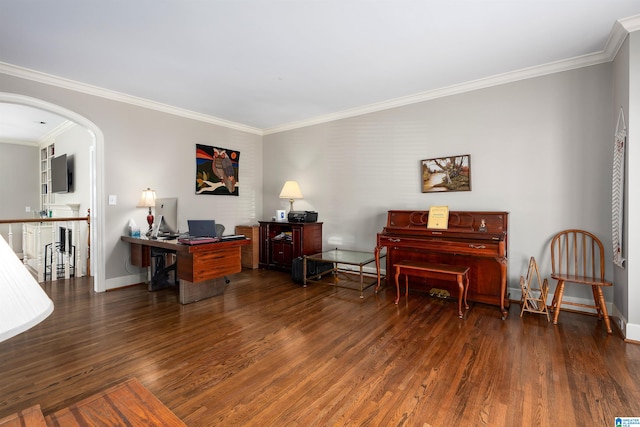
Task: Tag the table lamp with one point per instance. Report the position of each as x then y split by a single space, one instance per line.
148 200
23 303
291 190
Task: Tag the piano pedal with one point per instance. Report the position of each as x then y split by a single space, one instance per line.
439 293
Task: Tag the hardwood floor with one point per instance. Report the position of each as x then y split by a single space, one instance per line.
270 353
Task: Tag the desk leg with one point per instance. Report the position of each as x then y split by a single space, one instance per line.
376 252
191 292
304 271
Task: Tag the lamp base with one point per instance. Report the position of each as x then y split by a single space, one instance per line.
150 220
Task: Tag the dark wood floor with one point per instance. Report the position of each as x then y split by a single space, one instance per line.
270 353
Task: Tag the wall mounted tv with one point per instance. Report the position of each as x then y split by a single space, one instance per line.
62 174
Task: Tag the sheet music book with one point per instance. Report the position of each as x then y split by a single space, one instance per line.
438 217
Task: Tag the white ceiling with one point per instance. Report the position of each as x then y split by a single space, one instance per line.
269 64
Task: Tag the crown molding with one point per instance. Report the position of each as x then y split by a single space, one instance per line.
500 79
616 38
58 130
37 76
18 142
631 23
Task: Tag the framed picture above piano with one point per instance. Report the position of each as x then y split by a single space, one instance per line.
446 174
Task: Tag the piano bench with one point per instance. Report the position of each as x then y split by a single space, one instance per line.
434 271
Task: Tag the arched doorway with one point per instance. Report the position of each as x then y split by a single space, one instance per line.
96 173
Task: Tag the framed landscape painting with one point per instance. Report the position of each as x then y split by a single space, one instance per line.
445 174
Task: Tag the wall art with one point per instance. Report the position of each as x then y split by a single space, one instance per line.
446 174
217 170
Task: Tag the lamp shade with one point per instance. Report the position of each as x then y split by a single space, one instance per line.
291 190
148 199
23 303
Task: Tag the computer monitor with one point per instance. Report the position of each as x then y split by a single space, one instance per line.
167 214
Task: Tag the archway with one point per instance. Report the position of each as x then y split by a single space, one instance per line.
96 172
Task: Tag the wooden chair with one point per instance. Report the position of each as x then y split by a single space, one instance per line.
577 256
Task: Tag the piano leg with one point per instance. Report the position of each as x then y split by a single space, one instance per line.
503 287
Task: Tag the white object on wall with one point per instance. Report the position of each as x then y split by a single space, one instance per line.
617 191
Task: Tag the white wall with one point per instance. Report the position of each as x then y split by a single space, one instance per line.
146 148
540 149
19 178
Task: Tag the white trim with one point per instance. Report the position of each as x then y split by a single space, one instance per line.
125 281
96 167
523 74
633 332
58 130
37 76
19 142
616 37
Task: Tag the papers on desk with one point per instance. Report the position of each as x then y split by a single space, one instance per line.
233 237
201 240
197 240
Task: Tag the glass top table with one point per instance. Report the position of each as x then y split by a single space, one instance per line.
341 258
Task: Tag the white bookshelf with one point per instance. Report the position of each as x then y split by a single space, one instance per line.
47 198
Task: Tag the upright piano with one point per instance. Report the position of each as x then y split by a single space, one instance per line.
477 240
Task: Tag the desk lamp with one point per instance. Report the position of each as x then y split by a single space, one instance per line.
291 190
148 200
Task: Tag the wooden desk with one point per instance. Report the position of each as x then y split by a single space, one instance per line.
200 268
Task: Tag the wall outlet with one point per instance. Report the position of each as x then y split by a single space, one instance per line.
27 209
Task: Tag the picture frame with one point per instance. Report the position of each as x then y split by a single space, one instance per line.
446 174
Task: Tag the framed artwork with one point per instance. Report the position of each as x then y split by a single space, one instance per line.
445 174
217 170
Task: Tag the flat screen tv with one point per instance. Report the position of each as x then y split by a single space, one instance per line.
62 174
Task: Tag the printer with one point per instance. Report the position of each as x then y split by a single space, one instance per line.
302 216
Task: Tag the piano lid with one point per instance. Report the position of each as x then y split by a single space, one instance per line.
463 224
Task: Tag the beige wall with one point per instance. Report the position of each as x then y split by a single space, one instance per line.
147 148
540 149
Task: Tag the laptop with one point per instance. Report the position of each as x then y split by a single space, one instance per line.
202 228
200 231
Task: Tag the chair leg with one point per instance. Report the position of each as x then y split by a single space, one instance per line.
596 300
603 308
557 301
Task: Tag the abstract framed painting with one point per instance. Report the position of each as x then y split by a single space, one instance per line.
446 174
217 170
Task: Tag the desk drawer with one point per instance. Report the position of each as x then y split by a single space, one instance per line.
200 266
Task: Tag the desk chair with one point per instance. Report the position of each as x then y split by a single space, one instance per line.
577 256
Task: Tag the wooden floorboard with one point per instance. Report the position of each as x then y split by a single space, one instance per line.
271 353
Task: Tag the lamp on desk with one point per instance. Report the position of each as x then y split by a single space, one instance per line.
291 190
148 200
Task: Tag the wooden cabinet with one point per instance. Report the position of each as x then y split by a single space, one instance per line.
281 242
250 253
